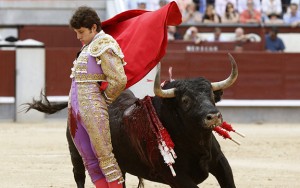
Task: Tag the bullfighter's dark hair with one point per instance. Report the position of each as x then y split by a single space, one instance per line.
85 17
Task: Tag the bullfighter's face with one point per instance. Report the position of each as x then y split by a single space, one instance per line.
86 35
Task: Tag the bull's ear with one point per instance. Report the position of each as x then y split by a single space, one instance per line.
218 95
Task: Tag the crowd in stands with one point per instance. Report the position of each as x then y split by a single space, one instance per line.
264 12
273 43
229 11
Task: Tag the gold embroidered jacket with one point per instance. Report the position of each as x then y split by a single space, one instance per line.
101 60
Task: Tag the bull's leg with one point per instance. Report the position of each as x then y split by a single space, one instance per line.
220 167
78 167
182 180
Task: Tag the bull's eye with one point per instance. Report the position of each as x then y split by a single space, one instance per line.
186 102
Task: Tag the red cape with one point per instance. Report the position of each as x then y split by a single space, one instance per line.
142 36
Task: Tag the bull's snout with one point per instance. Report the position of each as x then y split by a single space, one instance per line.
214 116
213 119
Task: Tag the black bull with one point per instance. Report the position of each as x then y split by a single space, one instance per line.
187 110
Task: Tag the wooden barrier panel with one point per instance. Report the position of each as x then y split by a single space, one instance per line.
58 69
63 36
188 46
59 62
51 36
7 73
248 28
261 75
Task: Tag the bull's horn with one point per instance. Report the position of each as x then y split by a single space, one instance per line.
167 93
230 80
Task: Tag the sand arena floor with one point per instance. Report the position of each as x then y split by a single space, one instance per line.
36 156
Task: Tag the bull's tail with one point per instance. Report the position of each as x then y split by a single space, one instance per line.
43 105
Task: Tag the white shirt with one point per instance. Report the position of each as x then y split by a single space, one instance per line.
271 6
211 38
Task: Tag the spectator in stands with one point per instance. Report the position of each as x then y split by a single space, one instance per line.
217 36
220 6
191 15
212 2
131 4
210 15
183 4
230 15
292 17
172 33
243 5
152 4
296 2
162 3
285 4
271 9
240 35
200 5
273 43
142 5
273 19
250 15
192 34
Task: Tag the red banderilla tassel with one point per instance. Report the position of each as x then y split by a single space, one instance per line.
166 137
228 127
224 134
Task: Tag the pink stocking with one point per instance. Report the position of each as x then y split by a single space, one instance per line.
115 184
101 183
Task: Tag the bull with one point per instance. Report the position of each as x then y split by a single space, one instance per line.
187 110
